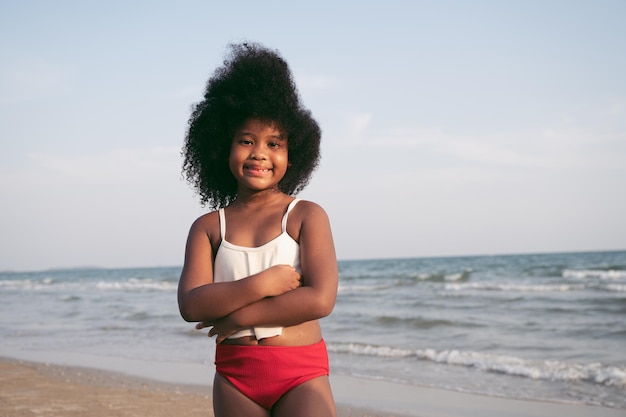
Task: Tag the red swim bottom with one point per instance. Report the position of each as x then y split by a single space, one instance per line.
265 373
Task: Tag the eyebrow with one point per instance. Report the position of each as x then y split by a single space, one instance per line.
279 136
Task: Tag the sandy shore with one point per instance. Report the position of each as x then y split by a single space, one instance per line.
38 389
41 389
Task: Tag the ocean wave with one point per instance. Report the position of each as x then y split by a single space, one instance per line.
350 288
485 286
615 287
70 298
47 284
608 274
26 284
370 350
533 288
416 322
136 284
443 277
381 284
551 370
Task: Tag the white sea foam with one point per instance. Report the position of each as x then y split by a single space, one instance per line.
551 370
610 274
370 350
615 287
26 284
13 283
360 288
132 284
455 277
483 286
135 284
438 277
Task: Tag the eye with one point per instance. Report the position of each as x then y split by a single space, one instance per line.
277 144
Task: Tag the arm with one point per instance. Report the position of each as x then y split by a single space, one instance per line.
200 299
316 298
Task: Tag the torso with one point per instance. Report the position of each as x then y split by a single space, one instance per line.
269 244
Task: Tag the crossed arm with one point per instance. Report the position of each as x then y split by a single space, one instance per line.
278 296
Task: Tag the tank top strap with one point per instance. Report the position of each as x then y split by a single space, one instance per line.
222 224
289 207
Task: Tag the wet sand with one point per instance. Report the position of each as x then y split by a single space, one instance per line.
37 389
43 389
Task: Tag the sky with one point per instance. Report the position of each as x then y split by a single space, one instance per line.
450 128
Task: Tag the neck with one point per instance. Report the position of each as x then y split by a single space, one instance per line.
258 198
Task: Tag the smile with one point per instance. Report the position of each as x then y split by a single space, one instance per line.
256 170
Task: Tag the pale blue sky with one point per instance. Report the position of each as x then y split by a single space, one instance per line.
449 127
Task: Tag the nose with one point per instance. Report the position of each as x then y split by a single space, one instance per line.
257 156
257 153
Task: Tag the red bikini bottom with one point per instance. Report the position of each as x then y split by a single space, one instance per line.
265 373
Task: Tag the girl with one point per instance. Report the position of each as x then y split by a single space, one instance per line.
261 269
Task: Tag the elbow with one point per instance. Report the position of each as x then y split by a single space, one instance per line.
322 302
193 311
186 312
327 310
186 316
323 307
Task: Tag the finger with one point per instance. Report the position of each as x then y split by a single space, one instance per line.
203 324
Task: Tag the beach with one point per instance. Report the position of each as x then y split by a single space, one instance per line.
44 389
523 335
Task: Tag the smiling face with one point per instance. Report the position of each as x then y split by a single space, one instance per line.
258 156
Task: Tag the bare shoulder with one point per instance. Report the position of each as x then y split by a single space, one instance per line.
207 224
306 209
307 215
206 221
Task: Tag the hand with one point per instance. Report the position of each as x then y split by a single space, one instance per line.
279 279
222 328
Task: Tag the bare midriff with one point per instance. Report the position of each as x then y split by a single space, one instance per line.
303 334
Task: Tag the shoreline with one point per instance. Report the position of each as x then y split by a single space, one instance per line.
30 388
187 385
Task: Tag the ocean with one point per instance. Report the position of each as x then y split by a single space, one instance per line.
541 327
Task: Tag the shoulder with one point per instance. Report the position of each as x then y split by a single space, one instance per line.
207 224
206 220
309 212
312 229
308 207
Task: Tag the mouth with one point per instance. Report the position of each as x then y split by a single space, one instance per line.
256 170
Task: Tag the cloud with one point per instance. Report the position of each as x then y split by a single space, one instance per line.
358 124
313 83
189 92
123 207
599 141
32 79
115 166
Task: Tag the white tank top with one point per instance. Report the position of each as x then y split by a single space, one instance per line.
233 262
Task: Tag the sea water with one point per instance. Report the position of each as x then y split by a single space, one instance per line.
542 327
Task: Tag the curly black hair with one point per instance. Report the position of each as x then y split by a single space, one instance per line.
254 82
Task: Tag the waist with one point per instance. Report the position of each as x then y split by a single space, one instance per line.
258 332
303 334
226 348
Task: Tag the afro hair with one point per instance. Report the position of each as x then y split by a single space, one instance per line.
254 82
